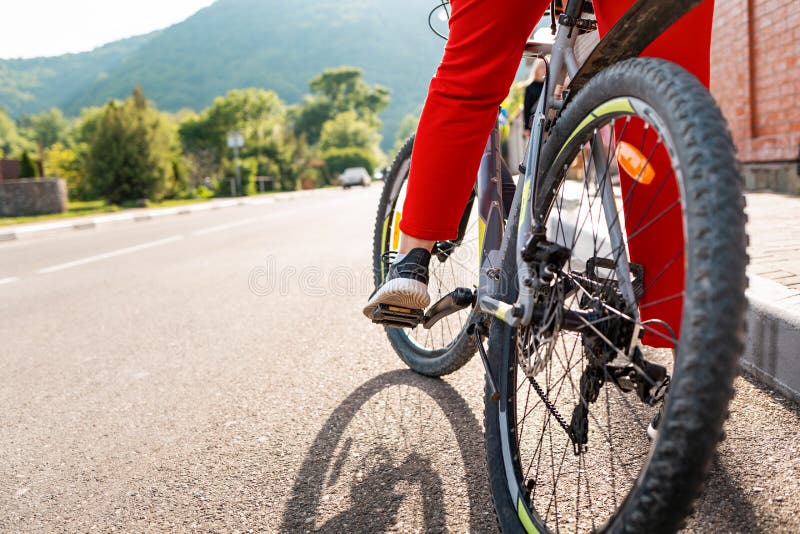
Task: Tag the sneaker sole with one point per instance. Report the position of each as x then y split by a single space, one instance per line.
402 292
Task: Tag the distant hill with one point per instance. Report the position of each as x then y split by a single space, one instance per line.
31 85
272 44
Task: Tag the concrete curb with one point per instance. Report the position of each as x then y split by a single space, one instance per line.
772 354
24 231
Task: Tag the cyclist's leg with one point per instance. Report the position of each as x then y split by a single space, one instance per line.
481 57
480 60
652 212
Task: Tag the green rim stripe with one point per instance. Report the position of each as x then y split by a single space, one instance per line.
617 105
383 243
481 235
525 518
526 193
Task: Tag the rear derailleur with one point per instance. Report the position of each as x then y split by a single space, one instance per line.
650 382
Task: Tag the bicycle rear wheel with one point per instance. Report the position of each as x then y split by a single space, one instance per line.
445 347
566 444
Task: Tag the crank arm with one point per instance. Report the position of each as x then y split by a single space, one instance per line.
459 299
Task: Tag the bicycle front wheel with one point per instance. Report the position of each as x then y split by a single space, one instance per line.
640 165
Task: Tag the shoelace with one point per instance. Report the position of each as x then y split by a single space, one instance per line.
388 259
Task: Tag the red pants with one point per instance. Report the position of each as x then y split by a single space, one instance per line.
480 61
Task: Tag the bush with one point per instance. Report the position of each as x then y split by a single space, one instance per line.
339 159
177 184
248 168
201 192
63 162
131 153
223 186
27 167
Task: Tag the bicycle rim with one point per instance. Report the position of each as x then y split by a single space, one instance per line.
458 267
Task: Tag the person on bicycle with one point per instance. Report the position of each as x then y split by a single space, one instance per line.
480 61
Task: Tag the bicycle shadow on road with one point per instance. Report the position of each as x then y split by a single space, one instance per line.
379 473
723 505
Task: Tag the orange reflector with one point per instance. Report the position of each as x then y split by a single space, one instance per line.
396 230
633 162
399 310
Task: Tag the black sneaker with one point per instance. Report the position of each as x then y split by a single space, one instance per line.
406 285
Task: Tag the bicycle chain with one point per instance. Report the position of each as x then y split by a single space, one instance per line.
551 408
539 391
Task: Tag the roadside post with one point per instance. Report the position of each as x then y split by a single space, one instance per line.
236 141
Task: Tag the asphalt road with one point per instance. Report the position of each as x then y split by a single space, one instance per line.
213 372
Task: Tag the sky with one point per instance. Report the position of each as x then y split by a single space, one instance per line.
34 28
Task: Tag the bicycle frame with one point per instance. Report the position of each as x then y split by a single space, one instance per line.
628 38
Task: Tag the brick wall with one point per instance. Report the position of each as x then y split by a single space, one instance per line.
9 169
755 76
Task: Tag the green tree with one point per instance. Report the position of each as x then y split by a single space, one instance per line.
63 162
261 117
45 128
339 159
254 112
27 167
347 141
78 141
131 153
11 142
347 130
335 91
309 118
200 166
87 125
285 158
306 164
345 89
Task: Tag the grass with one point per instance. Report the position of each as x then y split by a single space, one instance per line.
74 209
164 203
98 207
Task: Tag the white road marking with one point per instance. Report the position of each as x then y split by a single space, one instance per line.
112 254
227 226
8 280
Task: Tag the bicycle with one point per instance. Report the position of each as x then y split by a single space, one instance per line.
570 383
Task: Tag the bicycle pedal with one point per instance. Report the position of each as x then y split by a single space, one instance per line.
397 316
